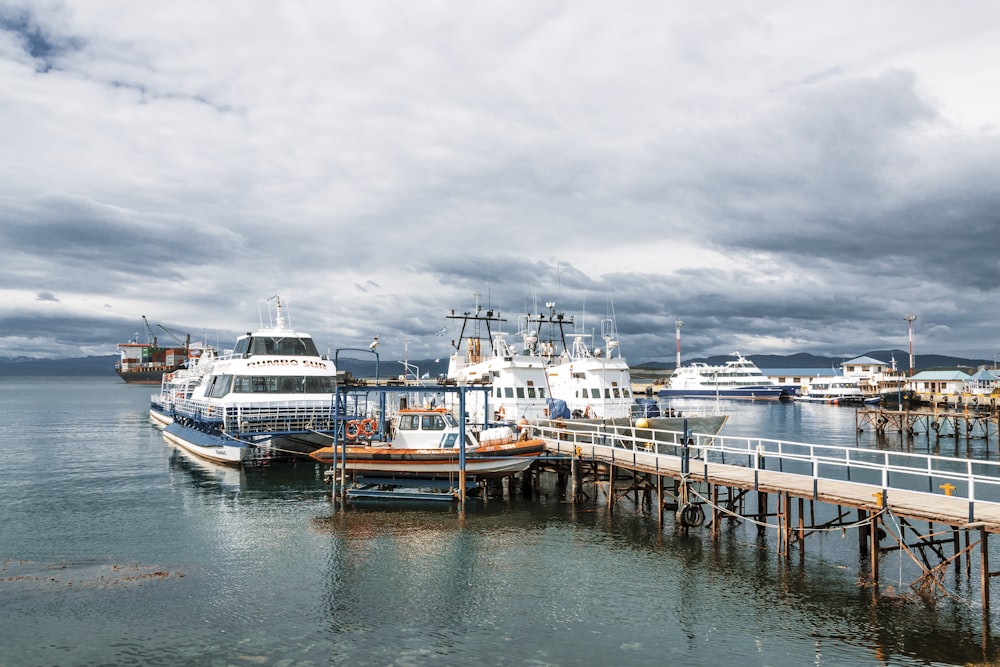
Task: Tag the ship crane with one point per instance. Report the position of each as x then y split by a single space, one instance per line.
150 336
187 339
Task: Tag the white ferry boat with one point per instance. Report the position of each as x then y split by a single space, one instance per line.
739 378
271 397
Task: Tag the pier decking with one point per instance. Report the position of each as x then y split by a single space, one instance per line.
943 508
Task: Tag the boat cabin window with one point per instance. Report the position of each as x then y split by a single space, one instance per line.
520 392
283 384
425 422
220 386
509 391
432 423
274 345
319 385
242 345
409 423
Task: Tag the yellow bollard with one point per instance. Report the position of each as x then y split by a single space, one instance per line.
948 488
578 451
878 497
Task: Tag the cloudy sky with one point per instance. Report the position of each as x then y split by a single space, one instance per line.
782 176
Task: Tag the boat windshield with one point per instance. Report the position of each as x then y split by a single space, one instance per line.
282 384
424 422
276 345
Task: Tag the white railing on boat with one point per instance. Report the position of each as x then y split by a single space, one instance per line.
262 417
972 479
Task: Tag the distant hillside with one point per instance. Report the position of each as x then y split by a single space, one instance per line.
105 364
102 365
806 360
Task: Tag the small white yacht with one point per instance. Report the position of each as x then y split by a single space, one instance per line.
836 390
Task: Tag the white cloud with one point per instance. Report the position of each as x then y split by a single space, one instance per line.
780 175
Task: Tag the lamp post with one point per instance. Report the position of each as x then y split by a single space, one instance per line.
909 321
678 324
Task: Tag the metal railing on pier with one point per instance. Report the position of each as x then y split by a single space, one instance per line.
977 481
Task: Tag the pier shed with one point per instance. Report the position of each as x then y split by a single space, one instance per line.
939 382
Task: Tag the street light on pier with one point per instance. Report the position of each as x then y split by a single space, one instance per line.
909 321
678 324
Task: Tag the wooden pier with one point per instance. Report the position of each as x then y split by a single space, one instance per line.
942 509
969 421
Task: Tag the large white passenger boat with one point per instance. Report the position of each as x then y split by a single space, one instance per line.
739 378
270 397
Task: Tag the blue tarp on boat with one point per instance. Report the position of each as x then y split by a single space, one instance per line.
646 407
558 409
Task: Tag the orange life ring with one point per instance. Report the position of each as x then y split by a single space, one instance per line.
353 429
368 427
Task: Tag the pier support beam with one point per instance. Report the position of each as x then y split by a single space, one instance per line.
874 531
984 568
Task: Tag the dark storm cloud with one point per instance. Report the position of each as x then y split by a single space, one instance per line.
85 238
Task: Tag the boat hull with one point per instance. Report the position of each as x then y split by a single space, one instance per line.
159 417
832 400
702 424
145 375
216 446
206 445
744 393
497 460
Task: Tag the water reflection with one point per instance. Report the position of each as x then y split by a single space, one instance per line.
284 480
445 583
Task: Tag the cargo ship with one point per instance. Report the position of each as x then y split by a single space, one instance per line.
145 363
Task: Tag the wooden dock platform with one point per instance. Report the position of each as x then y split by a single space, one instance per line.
967 422
942 509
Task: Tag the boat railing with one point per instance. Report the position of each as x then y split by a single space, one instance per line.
262 417
972 479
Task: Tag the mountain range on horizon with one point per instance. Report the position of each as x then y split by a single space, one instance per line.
105 364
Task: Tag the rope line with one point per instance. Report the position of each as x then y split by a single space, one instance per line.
724 510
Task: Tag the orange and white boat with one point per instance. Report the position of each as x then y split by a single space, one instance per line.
427 442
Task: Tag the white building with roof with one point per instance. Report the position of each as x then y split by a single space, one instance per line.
939 382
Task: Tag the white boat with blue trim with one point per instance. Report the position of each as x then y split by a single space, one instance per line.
739 378
270 397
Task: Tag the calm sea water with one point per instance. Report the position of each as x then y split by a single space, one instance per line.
117 549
